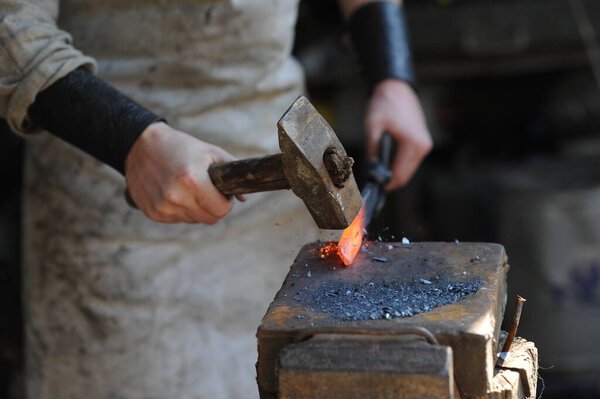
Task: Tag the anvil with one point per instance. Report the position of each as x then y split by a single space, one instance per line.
296 329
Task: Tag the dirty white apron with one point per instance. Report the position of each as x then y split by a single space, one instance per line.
118 306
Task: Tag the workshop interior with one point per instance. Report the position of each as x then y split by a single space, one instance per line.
511 92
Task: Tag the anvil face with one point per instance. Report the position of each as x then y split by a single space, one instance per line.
319 293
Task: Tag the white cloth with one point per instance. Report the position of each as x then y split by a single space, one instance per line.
117 306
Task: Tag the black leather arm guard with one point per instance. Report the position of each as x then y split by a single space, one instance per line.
379 37
88 113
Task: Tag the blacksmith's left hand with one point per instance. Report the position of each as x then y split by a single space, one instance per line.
395 108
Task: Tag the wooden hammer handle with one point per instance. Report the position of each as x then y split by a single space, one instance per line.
250 175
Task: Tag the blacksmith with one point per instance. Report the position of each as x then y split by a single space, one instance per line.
117 305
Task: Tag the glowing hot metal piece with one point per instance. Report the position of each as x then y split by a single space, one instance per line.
352 238
373 195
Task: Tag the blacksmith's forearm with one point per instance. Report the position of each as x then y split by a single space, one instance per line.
349 6
380 41
91 115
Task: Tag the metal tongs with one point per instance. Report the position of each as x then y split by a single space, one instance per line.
378 176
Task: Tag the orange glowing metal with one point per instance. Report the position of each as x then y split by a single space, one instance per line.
352 238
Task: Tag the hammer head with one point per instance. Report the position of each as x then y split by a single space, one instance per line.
323 181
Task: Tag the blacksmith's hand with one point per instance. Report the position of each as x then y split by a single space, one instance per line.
395 108
167 178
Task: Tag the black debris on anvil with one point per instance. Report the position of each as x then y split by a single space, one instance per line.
381 259
384 300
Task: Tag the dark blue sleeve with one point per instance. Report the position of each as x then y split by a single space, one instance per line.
380 41
88 113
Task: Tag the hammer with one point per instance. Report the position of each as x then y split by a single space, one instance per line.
312 163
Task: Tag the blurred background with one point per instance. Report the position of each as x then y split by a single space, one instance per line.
511 89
